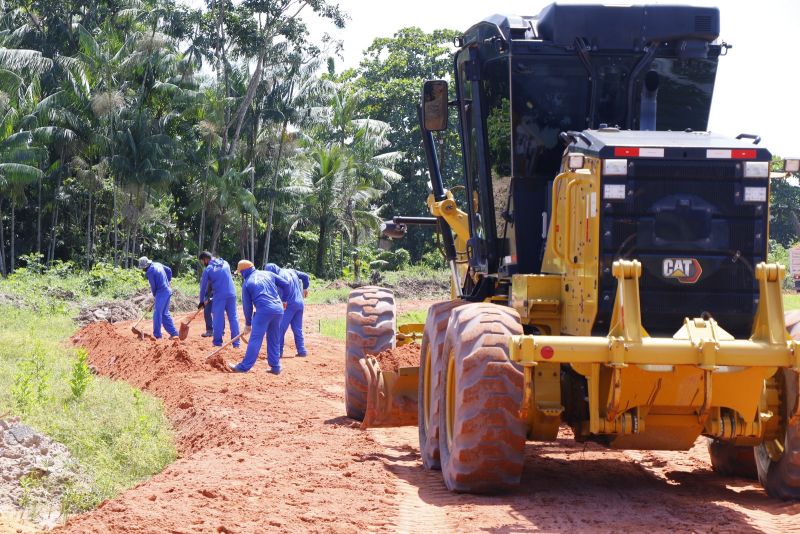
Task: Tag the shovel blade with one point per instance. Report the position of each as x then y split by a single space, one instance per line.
137 332
184 331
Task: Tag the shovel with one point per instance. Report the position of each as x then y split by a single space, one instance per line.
135 328
184 330
218 349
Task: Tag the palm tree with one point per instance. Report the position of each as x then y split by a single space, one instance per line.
17 170
322 173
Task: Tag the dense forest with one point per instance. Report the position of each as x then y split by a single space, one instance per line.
133 128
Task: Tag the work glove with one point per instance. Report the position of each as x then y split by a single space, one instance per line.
201 305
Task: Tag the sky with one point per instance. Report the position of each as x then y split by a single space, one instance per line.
758 82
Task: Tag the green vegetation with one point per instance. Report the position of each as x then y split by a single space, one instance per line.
162 129
336 327
117 434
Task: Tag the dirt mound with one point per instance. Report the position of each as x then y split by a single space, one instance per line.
394 359
34 472
138 362
131 308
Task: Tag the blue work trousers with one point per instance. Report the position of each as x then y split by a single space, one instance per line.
207 316
220 307
161 315
293 316
264 322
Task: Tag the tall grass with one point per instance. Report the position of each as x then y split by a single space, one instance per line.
117 434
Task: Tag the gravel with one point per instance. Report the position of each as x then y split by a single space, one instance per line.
46 466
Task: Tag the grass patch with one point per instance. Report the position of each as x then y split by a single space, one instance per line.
336 327
327 295
117 434
791 301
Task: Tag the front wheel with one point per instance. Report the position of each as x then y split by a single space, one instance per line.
482 438
371 325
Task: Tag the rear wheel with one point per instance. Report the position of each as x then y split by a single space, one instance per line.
371 326
731 461
482 438
431 379
778 460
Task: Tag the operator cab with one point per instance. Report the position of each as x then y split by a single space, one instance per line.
522 81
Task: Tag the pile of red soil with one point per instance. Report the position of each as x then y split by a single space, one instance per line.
139 362
394 359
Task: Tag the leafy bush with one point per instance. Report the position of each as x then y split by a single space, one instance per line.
392 260
104 279
81 375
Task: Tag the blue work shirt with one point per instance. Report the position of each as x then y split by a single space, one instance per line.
218 279
284 293
262 289
300 282
159 277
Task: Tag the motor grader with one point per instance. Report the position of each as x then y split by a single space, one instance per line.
608 260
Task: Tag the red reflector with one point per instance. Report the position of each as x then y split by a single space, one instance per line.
743 154
626 152
547 352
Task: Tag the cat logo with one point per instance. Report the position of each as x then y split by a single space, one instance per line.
685 270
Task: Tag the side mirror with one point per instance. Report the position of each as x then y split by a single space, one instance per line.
434 105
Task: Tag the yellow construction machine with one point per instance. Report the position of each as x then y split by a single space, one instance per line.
609 267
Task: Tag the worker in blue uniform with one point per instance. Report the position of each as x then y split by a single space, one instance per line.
159 277
295 304
217 276
263 290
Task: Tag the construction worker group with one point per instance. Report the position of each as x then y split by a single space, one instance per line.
272 302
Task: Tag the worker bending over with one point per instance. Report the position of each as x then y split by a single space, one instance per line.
295 303
217 276
261 289
159 277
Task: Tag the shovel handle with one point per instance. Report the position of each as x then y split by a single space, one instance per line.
143 314
218 349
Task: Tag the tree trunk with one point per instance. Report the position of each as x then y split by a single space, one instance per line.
320 260
268 238
89 234
39 219
357 259
13 261
51 254
215 234
2 244
252 218
115 224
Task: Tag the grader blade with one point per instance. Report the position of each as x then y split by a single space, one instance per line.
391 396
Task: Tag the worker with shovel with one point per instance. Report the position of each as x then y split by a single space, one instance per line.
263 290
159 277
295 304
217 276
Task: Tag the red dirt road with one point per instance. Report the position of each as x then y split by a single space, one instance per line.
260 453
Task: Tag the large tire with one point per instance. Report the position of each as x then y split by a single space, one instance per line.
371 326
781 476
728 460
431 380
482 438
